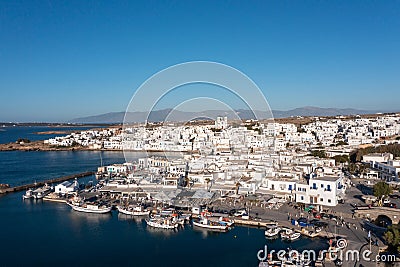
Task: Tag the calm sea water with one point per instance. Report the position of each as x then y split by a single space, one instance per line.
13 133
19 167
51 234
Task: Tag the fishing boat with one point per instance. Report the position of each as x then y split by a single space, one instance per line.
272 231
293 258
295 263
290 235
89 207
133 211
42 192
162 223
28 194
209 224
270 263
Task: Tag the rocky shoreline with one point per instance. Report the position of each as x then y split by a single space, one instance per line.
41 146
37 146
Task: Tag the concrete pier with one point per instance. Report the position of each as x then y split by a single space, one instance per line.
42 183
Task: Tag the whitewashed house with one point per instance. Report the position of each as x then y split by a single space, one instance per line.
66 187
325 191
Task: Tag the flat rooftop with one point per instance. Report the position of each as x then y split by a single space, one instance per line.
327 178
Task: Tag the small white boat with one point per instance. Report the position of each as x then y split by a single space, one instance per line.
133 211
272 231
213 225
38 195
28 194
299 263
41 192
90 208
240 213
270 263
162 223
290 235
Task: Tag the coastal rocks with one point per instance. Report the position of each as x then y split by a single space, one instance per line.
37 146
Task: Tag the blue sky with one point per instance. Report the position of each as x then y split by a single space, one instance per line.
65 59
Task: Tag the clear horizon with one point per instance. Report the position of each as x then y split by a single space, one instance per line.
61 61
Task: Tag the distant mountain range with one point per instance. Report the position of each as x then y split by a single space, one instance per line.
176 115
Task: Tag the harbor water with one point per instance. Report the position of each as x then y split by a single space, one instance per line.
9 134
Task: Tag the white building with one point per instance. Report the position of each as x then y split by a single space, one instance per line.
66 187
325 191
221 123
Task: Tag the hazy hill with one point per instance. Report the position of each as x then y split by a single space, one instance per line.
161 115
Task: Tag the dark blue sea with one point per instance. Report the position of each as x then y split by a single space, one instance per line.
13 133
37 233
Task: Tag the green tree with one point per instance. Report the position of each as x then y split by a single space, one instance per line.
357 155
392 237
381 189
341 158
318 153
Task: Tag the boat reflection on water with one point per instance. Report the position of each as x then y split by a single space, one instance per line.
93 218
128 218
205 233
162 232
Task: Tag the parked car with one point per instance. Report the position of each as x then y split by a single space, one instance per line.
303 222
240 213
302 219
333 217
324 216
390 205
232 212
394 196
320 224
314 221
317 215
